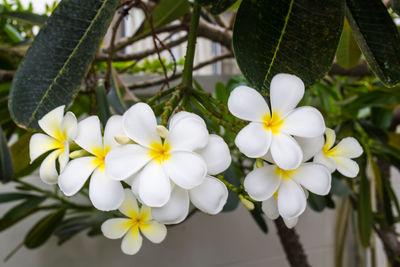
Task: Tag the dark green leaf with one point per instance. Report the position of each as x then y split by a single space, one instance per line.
297 37
256 213
58 59
396 6
26 17
8 197
6 163
102 103
20 211
20 155
316 202
364 209
339 188
348 53
115 96
217 6
233 200
42 231
377 37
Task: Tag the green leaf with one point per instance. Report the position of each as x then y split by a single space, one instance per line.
6 163
58 59
102 103
256 214
8 197
114 97
316 202
377 37
13 33
396 6
297 37
364 210
27 17
233 200
20 211
20 154
217 6
42 231
348 53
339 188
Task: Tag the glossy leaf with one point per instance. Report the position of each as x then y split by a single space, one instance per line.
316 202
27 17
348 53
102 103
58 59
42 231
297 37
377 37
257 215
6 163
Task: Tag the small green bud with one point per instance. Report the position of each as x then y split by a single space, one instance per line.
247 203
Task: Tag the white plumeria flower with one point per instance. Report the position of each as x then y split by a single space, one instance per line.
104 192
340 157
210 196
273 129
61 131
270 208
157 161
128 228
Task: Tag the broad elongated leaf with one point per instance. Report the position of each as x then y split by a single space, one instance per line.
364 210
256 214
298 37
20 155
6 163
44 229
217 6
8 197
102 103
377 37
58 59
348 53
26 17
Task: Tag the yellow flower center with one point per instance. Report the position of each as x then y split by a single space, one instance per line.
60 135
329 152
284 174
272 123
100 154
160 152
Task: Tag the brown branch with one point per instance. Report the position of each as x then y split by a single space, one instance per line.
6 75
291 244
215 33
158 81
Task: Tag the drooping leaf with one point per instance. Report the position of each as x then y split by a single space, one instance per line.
297 37
42 231
233 200
256 214
58 59
316 202
348 53
217 6
102 103
6 163
27 17
8 197
20 211
364 209
339 188
115 96
377 37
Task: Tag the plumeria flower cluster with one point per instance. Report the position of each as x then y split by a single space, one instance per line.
287 137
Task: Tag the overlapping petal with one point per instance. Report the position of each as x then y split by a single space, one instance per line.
154 231
129 206
175 210
132 241
270 208
348 147
48 172
51 122
115 228
253 140
69 126
291 199
216 155
304 122
285 151
113 128
347 167
324 160
262 183
314 177
40 144
310 146
89 135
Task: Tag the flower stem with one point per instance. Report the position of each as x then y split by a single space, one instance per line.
187 76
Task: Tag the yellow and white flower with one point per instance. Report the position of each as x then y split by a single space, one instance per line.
270 208
139 222
210 196
273 130
159 156
340 157
104 192
60 131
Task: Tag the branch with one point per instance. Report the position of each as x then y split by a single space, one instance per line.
158 81
215 33
6 75
291 244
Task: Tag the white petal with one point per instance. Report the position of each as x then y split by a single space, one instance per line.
186 169
40 144
132 241
69 126
154 231
261 183
124 161
326 161
64 157
140 124
134 181
48 172
310 146
188 134
216 155
304 122
209 197
286 92
270 208
89 134
51 122
75 175
314 177
253 140
113 127
115 228
291 222
182 115
291 199
129 206
105 193
285 151
330 136
154 186
247 104
347 167
176 209
348 148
